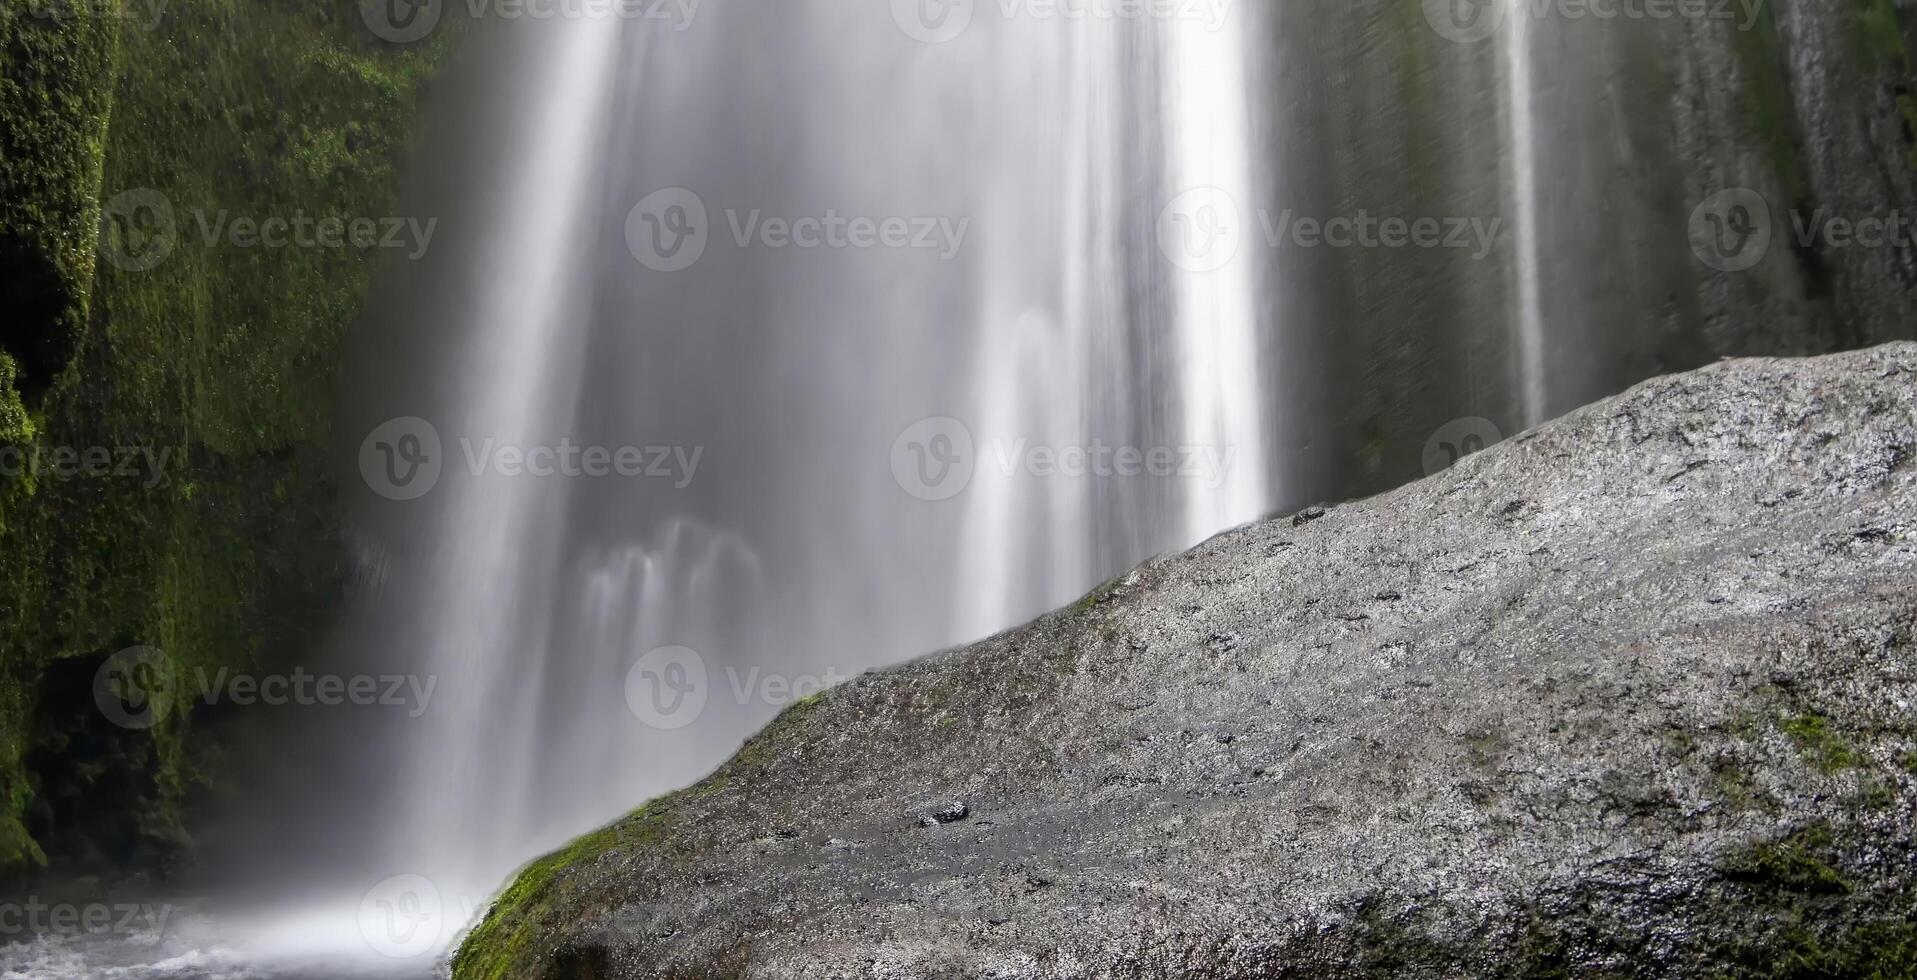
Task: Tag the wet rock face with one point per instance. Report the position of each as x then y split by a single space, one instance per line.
1640 116
1633 694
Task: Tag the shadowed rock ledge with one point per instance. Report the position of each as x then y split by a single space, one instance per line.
1634 694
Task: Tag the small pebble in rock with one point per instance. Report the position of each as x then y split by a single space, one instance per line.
949 814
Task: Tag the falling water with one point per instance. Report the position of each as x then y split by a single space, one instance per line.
1210 149
1520 105
483 610
855 455
864 453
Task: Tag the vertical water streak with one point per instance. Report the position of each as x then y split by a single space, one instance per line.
484 604
1209 133
1520 98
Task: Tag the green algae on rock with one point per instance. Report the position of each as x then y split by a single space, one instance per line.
221 360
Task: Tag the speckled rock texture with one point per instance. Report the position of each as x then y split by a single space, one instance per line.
1631 695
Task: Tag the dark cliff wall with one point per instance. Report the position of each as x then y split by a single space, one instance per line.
1636 122
200 365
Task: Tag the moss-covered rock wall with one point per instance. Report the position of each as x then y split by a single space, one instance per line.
166 379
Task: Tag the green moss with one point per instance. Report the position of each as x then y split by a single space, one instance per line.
1764 100
1885 950
498 947
1794 865
759 749
1413 41
1486 748
1880 41
56 97
1106 592
563 884
1679 741
501 940
1879 35
1734 785
1822 747
16 426
1878 795
224 358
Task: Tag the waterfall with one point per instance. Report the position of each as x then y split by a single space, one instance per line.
485 605
854 454
772 343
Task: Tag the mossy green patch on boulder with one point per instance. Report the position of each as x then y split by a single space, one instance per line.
503 941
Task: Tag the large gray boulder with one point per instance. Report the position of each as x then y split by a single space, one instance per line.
1634 694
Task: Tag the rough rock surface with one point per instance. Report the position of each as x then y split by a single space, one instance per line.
1634 694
